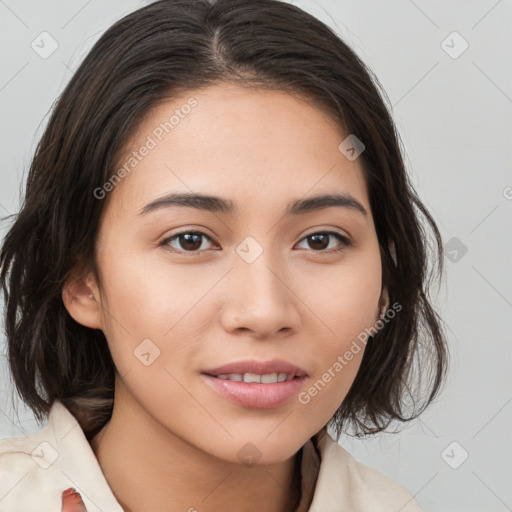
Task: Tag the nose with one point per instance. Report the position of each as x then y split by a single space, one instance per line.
258 297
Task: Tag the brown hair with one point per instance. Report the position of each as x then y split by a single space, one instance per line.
156 52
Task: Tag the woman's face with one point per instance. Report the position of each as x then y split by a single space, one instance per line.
255 287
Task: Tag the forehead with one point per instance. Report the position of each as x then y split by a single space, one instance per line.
254 146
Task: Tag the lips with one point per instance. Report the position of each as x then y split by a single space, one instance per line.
276 366
258 368
256 384
268 378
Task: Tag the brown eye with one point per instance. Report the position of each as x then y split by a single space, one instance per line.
187 241
319 241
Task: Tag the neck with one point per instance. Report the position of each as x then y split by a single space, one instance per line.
150 468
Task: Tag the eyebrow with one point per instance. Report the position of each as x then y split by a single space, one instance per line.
217 204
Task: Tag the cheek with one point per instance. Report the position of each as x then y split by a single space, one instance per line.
348 308
153 316
142 318
136 312
345 297
337 362
145 299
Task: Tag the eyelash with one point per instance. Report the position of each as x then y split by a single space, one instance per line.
345 242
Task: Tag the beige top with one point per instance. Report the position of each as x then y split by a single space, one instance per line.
35 469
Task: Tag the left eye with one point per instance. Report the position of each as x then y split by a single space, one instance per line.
319 239
190 241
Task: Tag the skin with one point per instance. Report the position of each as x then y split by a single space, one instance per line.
172 441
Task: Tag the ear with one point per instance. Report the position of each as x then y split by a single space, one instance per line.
383 302
384 295
392 251
81 298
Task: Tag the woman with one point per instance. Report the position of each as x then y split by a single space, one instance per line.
219 257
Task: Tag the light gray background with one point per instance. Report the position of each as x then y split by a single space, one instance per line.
454 117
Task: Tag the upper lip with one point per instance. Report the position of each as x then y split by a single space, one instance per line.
258 367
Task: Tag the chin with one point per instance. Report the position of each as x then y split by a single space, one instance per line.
257 450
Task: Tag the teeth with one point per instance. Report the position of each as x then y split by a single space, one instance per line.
252 377
269 378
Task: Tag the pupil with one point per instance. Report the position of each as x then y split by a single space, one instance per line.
187 244
322 246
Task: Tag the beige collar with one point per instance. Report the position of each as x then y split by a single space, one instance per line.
331 479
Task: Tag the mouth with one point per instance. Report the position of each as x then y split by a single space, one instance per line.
256 384
268 378
273 371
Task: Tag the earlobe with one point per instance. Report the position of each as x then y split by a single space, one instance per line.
81 298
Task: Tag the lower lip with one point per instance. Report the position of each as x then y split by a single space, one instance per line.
254 394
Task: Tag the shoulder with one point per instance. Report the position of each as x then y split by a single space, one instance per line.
26 471
35 469
357 486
